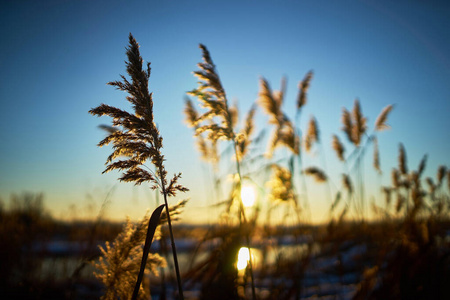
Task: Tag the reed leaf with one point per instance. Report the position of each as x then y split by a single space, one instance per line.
152 224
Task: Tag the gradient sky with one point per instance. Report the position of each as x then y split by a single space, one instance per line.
56 57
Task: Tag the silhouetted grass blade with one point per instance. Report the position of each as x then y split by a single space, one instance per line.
152 224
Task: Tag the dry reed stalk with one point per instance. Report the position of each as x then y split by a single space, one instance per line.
402 163
348 125
303 88
336 201
118 265
347 183
376 155
417 198
270 104
207 148
316 173
138 139
431 185
395 177
441 174
312 134
213 98
422 165
190 113
414 178
359 123
281 185
234 114
279 95
380 123
338 147
243 140
284 133
387 193
400 202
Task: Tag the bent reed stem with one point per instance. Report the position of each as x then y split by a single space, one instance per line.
172 241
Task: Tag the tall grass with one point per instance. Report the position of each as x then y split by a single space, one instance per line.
279 171
386 255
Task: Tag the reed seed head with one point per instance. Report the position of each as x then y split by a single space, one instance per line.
282 188
347 183
312 134
271 105
303 88
395 177
402 163
441 174
348 125
243 143
387 194
190 113
316 173
359 123
137 138
431 185
338 147
212 97
380 123
400 202
376 155
422 165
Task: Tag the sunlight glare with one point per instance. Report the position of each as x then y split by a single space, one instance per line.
243 258
248 196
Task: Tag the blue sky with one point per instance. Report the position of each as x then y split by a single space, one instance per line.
56 57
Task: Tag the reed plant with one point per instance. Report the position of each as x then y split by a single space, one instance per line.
137 142
219 122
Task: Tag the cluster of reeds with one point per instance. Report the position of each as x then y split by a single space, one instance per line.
278 172
282 180
278 176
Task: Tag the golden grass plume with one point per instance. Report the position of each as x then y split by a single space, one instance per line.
303 88
316 173
338 147
380 122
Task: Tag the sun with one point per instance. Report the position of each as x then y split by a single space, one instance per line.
248 195
243 258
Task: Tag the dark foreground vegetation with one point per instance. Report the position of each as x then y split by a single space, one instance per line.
400 258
